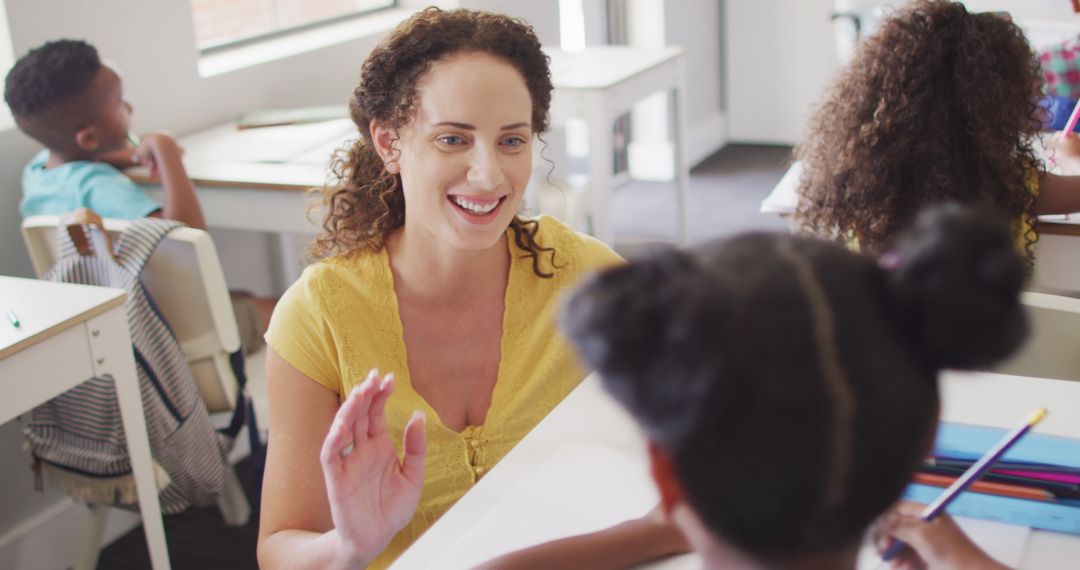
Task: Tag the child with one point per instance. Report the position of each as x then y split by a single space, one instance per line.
770 374
939 105
63 96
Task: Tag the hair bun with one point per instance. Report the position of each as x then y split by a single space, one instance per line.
620 317
955 282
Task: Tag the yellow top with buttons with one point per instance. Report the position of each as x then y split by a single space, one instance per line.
340 319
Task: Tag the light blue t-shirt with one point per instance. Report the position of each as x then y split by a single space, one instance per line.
81 184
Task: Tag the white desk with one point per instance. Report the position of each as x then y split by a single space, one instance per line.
589 420
1056 250
254 180
602 83
69 334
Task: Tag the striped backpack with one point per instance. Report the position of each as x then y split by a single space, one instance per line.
78 437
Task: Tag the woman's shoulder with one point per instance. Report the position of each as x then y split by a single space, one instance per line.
586 251
329 277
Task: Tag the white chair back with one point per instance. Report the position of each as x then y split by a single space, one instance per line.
185 280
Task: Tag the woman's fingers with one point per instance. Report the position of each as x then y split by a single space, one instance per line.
377 413
412 464
338 439
354 412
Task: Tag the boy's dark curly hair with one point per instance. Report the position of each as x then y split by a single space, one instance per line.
46 78
940 104
365 203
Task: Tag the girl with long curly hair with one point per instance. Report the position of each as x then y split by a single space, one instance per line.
429 274
941 104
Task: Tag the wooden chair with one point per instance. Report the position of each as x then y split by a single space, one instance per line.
185 279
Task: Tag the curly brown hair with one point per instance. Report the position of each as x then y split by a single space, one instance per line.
364 203
939 105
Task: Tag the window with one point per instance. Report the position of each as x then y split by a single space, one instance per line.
223 22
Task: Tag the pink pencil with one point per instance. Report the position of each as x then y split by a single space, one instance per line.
1069 126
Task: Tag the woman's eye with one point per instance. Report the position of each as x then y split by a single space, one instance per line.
451 140
514 142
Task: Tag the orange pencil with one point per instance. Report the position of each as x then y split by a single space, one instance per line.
1004 489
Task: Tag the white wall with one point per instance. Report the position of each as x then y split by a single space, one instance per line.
697 27
780 55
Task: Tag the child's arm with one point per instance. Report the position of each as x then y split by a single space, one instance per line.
162 154
622 546
938 544
1058 195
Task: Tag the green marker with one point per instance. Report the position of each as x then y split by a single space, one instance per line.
13 318
134 140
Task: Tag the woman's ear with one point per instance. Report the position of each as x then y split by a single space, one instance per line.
384 139
663 474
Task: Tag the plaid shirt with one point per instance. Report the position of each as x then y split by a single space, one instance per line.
1061 68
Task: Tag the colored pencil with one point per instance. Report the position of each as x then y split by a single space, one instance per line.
133 139
934 509
1001 466
1015 491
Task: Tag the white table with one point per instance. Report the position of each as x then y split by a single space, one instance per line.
68 334
602 83
588 419
255 180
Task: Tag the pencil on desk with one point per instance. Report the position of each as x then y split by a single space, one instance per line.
1071 123
973 473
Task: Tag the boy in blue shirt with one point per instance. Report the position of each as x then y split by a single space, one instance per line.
63 96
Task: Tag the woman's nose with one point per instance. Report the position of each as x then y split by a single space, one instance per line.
485 172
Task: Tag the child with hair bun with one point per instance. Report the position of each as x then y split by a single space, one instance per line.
770 374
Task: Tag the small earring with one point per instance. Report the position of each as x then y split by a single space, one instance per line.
392 167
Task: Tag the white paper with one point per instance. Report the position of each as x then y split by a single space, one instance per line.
1003 542
588 499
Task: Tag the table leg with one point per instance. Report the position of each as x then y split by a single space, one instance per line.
601 147
682 173
110 347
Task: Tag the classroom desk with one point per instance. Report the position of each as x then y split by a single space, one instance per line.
608 480
254 180
602 83
68 334
1055 252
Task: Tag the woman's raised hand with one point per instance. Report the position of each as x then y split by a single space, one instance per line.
372 494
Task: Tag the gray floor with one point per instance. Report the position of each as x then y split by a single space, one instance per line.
725 193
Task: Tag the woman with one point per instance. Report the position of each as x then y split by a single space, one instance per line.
427 272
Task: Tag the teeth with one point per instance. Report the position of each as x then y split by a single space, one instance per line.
473 206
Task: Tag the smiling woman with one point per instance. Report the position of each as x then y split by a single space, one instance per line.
427 272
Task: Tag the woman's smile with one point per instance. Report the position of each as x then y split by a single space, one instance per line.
476 210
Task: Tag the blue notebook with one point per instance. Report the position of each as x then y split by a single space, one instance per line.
967 441
1058 109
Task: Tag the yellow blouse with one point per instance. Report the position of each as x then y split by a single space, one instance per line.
340 319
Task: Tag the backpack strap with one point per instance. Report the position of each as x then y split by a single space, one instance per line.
142 237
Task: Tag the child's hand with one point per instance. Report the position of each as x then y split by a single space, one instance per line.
1066 152
156 148
936 545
